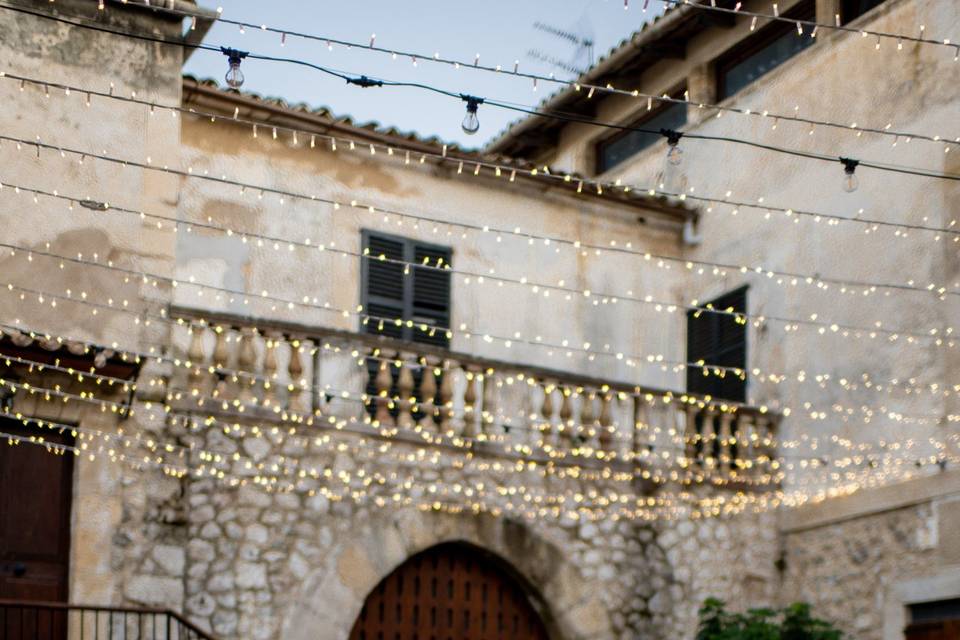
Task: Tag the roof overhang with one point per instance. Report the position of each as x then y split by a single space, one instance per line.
663 38
207 97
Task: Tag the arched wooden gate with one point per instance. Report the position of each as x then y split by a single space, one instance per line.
449 592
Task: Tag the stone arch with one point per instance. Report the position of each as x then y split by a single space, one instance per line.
331 595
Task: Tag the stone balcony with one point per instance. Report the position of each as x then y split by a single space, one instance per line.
419 394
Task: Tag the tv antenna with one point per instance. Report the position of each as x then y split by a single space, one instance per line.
582 58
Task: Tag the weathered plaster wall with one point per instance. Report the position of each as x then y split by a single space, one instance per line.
842 78
224 149
107 499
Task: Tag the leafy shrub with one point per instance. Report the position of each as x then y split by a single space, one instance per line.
790 623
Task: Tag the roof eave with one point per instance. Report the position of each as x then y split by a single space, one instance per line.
647 36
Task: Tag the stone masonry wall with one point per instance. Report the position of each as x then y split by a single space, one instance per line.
845 570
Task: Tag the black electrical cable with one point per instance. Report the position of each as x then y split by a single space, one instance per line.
608 89
365 81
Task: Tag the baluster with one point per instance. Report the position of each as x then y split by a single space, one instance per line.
469 405
640 446
295 371
587 416
565 429
446 398
428 393
690 436
382 384
246 355
606 422
221 354
405 391
725 442
196 356
490 392
748 448
763 444
270 369
708 437
546 410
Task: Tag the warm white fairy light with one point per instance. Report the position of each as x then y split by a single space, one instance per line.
562 349
677 442
831 219
607 88
844 415
785 279
468 277
592 503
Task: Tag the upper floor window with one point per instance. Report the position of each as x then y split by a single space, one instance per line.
767 50
616 149
421 296
718 339
852 9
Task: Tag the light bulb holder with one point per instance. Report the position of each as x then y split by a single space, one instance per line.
365 82
849 165
672 136
473 102
234 56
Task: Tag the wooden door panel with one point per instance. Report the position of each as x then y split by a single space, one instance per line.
35 498
939 630
449 592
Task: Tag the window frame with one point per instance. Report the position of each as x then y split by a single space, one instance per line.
410 246
743 290
598 169
755 42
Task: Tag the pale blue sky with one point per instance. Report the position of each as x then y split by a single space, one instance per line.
501 31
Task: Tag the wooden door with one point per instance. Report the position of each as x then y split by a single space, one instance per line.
939 630
449 592
35 497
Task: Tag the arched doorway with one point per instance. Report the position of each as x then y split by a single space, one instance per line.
451 591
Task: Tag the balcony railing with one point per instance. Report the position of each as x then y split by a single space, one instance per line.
22 620
237 365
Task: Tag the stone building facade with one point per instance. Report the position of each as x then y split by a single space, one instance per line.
233 462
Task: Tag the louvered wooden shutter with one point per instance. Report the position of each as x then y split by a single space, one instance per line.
431 295
718 339
384 285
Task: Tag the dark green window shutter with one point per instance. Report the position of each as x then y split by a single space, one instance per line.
383 285
719 340
431 294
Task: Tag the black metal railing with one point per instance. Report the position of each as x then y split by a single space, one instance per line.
22 620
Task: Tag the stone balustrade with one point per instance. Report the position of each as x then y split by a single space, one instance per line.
398 388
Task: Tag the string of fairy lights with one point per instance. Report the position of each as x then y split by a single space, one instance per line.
471 124
621 447
556 349
592 503
936 336
592 89
472 165
866 413
288 302
468 277
545 458
213 457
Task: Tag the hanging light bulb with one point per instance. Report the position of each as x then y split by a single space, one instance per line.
850 180
234 75
674 152
471 123
671 179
